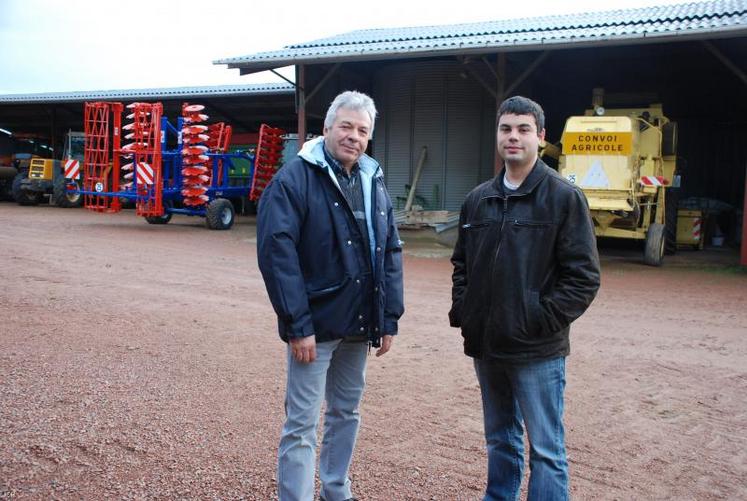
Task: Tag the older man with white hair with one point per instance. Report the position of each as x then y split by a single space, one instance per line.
330 256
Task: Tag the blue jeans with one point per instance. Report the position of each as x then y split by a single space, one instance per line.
530 394
338 375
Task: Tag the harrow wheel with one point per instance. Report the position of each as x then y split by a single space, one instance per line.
63 197
159 219
220 214
163 218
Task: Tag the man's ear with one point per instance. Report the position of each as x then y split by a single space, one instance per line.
541 135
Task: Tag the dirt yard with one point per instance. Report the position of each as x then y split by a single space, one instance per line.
142 362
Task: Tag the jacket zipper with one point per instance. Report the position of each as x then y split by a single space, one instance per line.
350 211
500 231
503 220
500 242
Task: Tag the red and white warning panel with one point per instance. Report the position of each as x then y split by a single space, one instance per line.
144 173
653 181
696 229
72 169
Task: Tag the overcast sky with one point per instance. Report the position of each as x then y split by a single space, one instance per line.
55 46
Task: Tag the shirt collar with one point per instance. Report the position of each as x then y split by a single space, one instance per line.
337 166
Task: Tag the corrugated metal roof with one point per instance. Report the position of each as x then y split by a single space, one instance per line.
157 93
652 23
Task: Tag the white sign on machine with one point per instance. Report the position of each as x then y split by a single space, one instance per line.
596 177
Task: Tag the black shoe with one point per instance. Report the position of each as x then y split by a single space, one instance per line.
348 499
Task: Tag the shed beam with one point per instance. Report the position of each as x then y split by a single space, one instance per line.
727 62
324 79
476 76
500 73
500 93
283 77
525 74
301 104
480 80
490 67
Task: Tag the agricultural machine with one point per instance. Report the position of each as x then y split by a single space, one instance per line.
624 161
38 177
191 178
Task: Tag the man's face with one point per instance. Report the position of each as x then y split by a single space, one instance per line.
348 136
518 139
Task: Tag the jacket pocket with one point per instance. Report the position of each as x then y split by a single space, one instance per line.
477 225
322 292
534 314
334 309
531 224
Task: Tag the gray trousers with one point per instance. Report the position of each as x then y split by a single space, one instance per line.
338 375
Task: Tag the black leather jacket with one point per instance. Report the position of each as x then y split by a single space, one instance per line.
525 267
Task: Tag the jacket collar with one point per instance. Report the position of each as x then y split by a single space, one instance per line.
536 175
313 152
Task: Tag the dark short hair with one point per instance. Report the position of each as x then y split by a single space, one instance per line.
520 105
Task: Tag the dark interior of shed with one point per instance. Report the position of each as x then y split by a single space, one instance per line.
692 80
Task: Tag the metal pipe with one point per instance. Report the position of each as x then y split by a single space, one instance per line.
301 104
323 81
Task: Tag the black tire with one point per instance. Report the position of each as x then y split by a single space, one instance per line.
671 199
64 198
220 214
653 253
22 196
159 219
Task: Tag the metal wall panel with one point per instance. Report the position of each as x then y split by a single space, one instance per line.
464 153
429 104
487 165
392 137
429 131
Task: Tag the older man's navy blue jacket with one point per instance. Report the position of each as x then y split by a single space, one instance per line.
309 252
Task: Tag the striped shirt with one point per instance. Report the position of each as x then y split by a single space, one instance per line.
352 191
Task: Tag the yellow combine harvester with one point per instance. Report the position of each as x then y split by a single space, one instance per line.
624 161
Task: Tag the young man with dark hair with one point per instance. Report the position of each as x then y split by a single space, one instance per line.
525 267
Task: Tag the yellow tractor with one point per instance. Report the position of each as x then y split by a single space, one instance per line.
38 177
624 160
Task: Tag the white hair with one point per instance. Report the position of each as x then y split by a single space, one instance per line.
351 100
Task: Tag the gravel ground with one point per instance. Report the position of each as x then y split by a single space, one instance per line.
141 362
